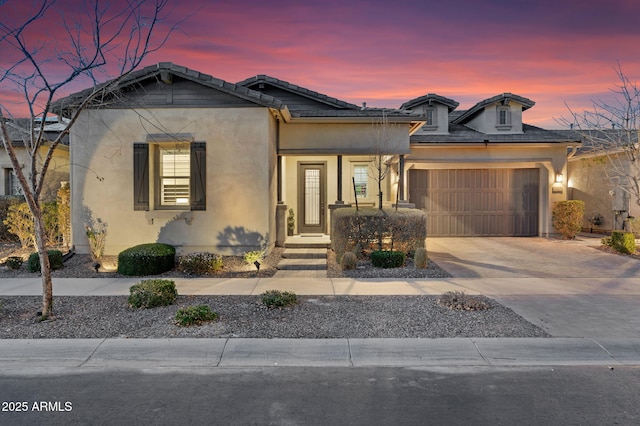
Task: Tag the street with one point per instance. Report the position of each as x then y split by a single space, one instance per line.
580 395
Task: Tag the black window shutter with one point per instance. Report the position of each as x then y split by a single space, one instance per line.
141 176
198 176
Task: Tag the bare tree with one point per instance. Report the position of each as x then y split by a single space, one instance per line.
381 142
103 39
610 130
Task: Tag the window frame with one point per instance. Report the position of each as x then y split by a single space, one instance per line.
159 175
367 183
507 117
433 111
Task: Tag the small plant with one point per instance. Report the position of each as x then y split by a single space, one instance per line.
151 293
420 258
55 260
459 301
606 241
291 222
64 213
14 262
387 259
278 299
97 236
251 257
195 315
349 261
623 242
146 259
567 217
19 222
200 263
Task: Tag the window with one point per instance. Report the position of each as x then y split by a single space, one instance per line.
361 178
504 117
431 117
11 183
179 175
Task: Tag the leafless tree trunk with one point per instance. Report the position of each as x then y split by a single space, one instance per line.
103 39
381 139
611 131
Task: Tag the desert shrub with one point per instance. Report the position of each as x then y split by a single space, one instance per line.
459 301
623 242
7 201
387 259
19 222
403 230
200 263
634 225
194 315
55 260
251 257
349 261
146 259
606 241
151 293
568 217
420 258
278 299
97 236
14 262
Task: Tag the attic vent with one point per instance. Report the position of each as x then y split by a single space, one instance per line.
166 77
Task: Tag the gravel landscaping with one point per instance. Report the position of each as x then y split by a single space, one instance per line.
245 316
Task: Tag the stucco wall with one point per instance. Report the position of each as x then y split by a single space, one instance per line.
240 179
302 138
549 159
487 120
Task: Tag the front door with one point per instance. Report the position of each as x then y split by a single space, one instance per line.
311 198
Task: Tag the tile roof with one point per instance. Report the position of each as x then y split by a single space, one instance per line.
459 133
596 140
504 97
428 98
285 85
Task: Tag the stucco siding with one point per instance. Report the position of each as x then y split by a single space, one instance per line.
239 175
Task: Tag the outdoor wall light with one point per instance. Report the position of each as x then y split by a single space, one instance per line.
559 178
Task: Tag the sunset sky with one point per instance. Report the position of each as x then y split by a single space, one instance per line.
387 52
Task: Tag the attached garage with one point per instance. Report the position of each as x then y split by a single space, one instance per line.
477 202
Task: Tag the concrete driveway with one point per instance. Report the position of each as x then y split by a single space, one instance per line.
569 288
504 257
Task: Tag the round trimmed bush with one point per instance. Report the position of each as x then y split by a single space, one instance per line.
195 315
200 263
152 293
387 259
147 259
55 260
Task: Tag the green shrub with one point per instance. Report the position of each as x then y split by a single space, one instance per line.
14 262
568 217
251 257
349 261
387 259
151 293
459 301
146 259
55 260
194 315
420 259
200 263
634 225
6 201
19 222
606 241
623 242
402 230
278 299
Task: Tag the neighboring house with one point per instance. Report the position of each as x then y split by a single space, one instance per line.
186 159
606 204
58 167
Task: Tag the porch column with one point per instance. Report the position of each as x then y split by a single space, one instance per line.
279 178
339 201
401 178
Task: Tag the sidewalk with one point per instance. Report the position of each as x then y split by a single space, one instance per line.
601 326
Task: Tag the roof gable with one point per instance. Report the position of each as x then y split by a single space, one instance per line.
504 98
429 99
296 97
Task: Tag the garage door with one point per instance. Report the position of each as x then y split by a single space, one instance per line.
490 202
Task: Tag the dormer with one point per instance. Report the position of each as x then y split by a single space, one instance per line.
501 114
435 110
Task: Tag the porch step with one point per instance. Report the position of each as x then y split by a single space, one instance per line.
305 253
308 241
302 265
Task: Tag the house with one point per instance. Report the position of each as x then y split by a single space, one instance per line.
58 167
596 175
181 157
